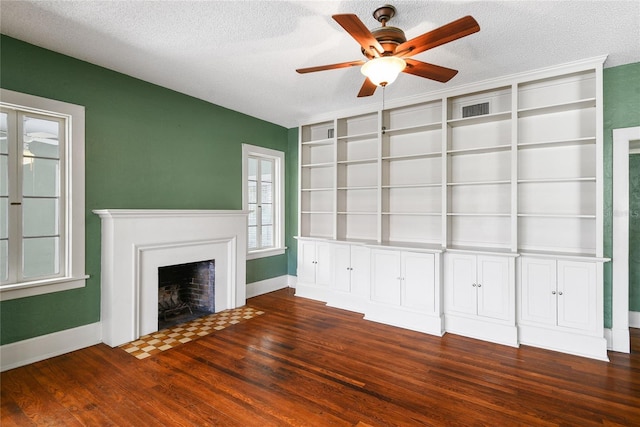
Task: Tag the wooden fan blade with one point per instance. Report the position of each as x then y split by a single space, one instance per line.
354 26
367 88
330 67
445 34
429 71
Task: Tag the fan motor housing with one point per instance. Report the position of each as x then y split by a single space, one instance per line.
389 38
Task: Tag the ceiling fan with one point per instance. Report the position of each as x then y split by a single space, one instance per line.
388 51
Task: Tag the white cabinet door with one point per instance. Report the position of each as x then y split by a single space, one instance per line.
307 261
577 295
360 271
538 291
460 283
493 287
341 271
323 264
385 270
418 281
314 262
559 293
405 279
351 269
479 285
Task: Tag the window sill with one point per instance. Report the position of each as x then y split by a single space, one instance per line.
265 253
41 287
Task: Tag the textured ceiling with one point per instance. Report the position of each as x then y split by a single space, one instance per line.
243 54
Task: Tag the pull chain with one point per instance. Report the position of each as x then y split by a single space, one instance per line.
383 127
383 88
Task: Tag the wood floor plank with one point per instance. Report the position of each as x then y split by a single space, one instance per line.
305 364
75 398
34 400
10 412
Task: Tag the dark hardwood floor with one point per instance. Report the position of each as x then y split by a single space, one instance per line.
305 364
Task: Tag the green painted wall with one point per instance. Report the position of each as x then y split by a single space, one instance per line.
621 109
634 232
147 147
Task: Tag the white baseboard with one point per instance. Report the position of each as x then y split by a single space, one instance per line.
499 333
269 285
43 347
318 293
618 339
406 319
590 346
634 319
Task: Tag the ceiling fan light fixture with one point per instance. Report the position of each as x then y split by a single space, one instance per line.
390 53
384 70
27 155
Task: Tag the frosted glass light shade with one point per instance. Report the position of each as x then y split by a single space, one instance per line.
384 70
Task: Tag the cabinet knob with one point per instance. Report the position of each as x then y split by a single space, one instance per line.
560 293
553 292
479 285
474 285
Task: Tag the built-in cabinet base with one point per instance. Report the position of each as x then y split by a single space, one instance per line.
396 286
413 320
507 298
348 302
482 330
317 293
565 342
373 311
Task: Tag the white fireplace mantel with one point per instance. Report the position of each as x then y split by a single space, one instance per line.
136 242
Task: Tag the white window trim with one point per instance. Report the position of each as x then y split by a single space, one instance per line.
279 226
74 276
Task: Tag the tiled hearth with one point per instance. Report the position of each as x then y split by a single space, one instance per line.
166 339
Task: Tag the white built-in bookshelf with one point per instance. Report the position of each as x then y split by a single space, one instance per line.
559 164
511 166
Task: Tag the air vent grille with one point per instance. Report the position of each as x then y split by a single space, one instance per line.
475 110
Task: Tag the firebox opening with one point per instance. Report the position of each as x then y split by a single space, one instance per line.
185 292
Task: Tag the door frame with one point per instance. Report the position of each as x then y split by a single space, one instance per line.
624 140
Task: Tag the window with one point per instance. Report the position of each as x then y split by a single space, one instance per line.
41 195
263 197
